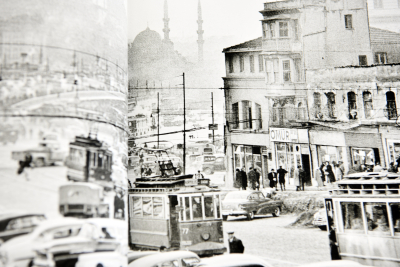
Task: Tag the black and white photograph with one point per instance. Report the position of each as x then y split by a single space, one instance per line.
195 133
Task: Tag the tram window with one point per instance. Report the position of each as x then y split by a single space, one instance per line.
217 205
352 217
209 207
395 208
187 209
158 207
147 207
100 160
377 218
197 208
137 206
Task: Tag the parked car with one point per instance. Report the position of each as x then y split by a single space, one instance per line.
167 259
103 259
320 219
19 251
95 236
334 263
134 255
17 224
249 204
234 260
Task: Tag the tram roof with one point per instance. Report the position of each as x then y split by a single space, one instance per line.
175 190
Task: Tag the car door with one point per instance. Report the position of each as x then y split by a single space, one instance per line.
266 205
253 202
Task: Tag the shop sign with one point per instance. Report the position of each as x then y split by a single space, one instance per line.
282 135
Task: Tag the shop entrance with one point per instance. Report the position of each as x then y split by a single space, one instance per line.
305 159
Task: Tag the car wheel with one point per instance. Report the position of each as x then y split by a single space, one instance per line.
250 216
224 217
277 212
207 171
39 162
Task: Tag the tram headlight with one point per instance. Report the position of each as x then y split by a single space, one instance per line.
205 236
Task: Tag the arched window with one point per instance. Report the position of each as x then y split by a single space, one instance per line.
300 111
352 104
367 98
317 104
391 105
330 103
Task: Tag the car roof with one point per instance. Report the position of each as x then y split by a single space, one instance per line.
334 263
233 260
12 215
134 255
149 261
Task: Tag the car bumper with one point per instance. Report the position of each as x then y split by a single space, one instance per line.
234 212
207 248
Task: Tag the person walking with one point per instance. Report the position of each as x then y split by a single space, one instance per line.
323 178
281 177
235 244
257 179
24 165
296 176
252 177
328 172
244 178
198 175
302 177
238 179
318 176
272 178
338 172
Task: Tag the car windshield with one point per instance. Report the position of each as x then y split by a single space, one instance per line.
236 195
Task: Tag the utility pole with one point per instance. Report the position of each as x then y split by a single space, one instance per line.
212 115
158 120
184 126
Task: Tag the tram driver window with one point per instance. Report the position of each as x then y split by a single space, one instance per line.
377 218
197 208
352 217
209 207
395 208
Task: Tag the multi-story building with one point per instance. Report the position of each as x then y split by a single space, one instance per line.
384 14
277 115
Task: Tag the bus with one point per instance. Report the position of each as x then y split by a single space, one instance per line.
175 212
363 218
90 160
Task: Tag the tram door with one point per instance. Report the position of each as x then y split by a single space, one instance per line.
174 218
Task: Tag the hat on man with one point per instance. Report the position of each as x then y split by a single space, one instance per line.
230 232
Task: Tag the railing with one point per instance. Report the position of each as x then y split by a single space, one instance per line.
391 113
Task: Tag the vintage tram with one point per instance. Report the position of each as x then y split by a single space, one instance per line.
363 216
90 160
175 212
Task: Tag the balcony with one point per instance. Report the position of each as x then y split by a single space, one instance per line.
281 45
281 115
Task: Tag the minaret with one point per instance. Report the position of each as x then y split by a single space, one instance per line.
200 32
166 22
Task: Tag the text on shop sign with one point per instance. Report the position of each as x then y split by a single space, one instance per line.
282 135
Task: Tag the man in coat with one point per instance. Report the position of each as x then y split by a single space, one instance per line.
257 178
281 177
252 176
272 179
235 244
244 179
238 179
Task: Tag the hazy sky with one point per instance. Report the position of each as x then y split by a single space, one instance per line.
221 18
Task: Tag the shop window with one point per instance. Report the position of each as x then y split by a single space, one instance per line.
348 22
260 63
317 105
283 29
377 218
364 156
235 116
391 108
330 97
352 217
378 4
251 63
368 109
362 60
241 60
230 62
330 154
352 105
395 211
286 71
380 58
296 29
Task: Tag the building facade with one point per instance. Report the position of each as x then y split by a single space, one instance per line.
281 112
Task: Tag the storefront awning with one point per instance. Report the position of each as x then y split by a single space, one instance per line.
338 125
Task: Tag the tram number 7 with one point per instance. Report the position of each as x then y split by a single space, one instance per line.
185 231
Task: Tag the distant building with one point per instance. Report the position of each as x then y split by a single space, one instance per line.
384 14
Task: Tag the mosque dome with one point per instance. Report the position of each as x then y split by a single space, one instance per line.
147 38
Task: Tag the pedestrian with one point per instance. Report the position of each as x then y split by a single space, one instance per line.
238 179
257 179
341 166
244 178
318 176
392 168
323 178
281 177
302 177
235 244
338 172
198 175
24 165
252 177
296 176
119 205
377 167
272 178
328 172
